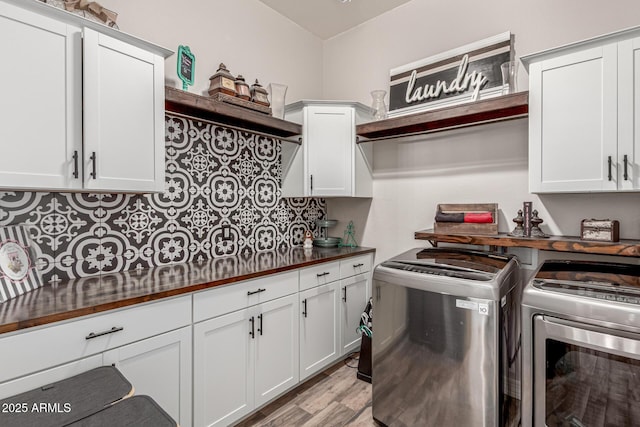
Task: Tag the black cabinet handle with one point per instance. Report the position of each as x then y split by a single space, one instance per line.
625 161
260 329
304 311
344 289
93 164
326 273
75 164
358 265
311 179
255 292
93 335
609 161
253 332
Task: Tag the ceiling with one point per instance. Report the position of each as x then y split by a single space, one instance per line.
327 18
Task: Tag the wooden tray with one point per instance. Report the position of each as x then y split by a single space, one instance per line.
241 103
468 228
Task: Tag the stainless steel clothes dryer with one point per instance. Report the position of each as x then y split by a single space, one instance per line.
581 345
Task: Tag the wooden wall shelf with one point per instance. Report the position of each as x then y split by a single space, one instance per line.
501 108
179 101
630 248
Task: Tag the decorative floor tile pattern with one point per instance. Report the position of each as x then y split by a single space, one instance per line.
215 177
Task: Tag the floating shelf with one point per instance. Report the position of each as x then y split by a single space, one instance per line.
182 102
629 248
501 108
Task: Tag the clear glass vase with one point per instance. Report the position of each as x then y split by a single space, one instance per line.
277 94
378 105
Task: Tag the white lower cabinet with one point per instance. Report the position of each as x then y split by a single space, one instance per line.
159 367
150 344
319 328
222 368
48 376
354 300
276 348
244 359
209 358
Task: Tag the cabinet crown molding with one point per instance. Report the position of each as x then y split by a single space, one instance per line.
595 41
71 18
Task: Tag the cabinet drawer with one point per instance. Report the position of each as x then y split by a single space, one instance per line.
319 275
235 296
356 265
27 352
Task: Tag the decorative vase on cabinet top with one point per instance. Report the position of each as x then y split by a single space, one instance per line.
378 105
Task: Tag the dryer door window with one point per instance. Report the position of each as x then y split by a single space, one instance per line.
584 377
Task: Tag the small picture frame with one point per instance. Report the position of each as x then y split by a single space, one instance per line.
186 66
18 271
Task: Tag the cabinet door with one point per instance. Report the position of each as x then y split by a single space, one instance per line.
159 367
276 348
319 328
222 369
329 138
573 122
628 116
41 101
123 116
354 301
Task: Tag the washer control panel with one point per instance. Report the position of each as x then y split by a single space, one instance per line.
603 291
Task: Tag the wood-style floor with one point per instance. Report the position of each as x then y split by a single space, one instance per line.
333 398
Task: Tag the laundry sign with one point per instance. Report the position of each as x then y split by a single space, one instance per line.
465 74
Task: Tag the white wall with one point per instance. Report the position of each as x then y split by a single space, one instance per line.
247 36
480 164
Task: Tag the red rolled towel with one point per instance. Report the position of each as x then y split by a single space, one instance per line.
479 217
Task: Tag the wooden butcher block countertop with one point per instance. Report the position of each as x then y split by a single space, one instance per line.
88 295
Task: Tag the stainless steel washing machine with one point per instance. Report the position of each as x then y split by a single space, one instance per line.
445 332
581 345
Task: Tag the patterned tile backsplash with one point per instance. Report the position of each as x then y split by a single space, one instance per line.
215 176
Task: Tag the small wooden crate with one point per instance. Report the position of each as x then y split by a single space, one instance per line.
603 230
468 228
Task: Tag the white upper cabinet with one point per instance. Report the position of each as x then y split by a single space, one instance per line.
629 114
123 115
76 76
41 102
582 128
329 163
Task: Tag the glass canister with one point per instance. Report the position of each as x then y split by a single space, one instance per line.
378 105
